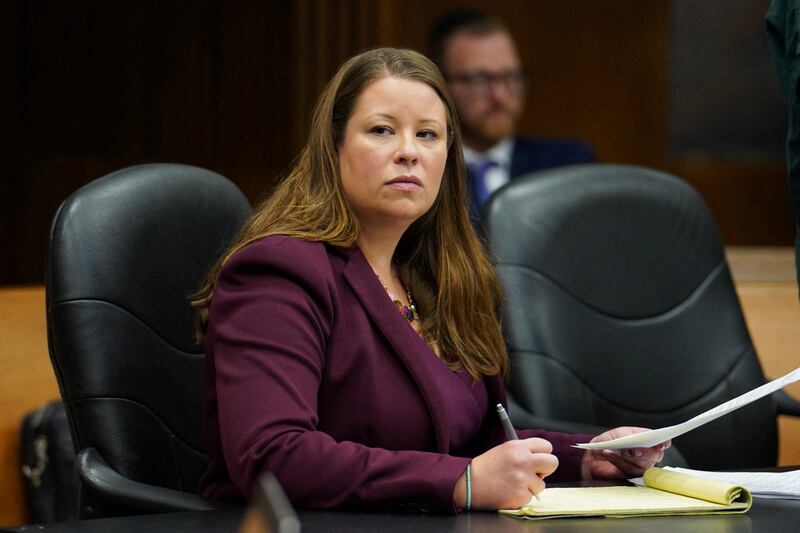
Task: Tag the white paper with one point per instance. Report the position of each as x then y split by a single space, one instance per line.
760 484
652 437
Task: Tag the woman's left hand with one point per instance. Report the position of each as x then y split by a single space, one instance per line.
620 464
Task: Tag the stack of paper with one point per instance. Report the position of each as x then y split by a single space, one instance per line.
762 484
664 493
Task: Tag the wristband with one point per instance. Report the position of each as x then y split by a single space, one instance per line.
469 488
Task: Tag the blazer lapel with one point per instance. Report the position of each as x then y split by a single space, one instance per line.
414 352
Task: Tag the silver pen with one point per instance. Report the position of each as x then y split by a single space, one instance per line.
509 429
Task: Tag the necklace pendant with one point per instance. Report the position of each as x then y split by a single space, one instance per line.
409 311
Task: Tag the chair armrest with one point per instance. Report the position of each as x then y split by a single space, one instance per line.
112 487
786 404
522 418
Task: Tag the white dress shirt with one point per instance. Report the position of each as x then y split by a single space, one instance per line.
500 154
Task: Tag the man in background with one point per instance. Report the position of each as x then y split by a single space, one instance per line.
478 57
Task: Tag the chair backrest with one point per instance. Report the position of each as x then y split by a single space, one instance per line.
126 253
619 309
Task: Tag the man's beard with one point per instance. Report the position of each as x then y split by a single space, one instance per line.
493 125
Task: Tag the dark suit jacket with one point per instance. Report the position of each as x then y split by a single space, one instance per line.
314 375
531 155
783 30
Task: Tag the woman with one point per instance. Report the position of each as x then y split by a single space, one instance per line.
353 344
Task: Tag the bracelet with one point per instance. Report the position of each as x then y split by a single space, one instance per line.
469 488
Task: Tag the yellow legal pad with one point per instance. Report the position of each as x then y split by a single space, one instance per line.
665 493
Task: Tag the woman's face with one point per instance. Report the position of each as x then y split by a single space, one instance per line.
393 153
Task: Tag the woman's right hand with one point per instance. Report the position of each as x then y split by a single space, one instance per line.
508 475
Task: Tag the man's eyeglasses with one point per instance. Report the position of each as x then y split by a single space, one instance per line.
480 83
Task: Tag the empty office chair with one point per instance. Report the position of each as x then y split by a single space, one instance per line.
126 252
620 310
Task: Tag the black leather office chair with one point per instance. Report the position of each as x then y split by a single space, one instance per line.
126 252
620 310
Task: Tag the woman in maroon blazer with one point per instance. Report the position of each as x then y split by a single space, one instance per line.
352 338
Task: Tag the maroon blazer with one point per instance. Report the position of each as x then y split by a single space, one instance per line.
313 375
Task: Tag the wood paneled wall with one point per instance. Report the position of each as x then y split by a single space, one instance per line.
26 383
91 86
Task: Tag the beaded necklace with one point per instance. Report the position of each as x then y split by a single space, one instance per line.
409 311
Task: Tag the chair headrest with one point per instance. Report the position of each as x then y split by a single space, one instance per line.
143 238
609 234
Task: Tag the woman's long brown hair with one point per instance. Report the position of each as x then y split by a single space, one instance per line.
439 257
